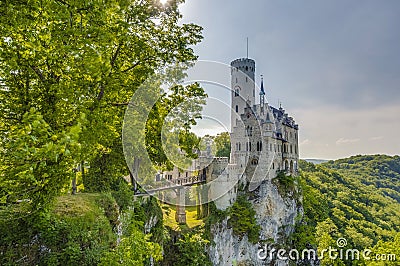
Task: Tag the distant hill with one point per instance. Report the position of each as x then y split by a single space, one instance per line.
357 198
316 161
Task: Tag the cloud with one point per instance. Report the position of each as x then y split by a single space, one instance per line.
304 142
346 141
376 138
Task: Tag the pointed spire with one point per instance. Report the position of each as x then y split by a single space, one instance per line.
262 91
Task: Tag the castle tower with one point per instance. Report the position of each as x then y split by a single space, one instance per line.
243 87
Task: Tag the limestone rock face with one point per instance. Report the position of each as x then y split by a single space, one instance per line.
275 214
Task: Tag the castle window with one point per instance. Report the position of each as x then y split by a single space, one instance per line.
273 166
254 161
236 80
237 109
291 149
236 92
246 79
247 69
249 146
259 145
239 146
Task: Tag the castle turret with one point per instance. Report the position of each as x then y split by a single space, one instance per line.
243 86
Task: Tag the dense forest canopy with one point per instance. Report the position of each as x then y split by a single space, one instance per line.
355 198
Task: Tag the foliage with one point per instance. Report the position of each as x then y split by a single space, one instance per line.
285 184
192 251
73 59
174 111
35 164
222 143
215 216
388 248
243 221
76 231
123 194
354 198
134 247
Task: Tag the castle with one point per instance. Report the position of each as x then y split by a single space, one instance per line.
264 141
261 135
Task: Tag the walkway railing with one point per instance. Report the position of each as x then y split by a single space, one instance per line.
175 183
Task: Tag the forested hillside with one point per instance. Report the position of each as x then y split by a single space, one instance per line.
355 198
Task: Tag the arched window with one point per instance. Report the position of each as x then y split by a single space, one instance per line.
236 92
260 145
237 109
254 161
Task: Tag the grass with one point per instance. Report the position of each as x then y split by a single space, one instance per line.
169 212
76 205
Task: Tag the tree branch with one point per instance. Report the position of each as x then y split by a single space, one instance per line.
37 71
131 67
114 57
119 104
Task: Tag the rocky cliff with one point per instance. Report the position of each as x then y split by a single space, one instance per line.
276 207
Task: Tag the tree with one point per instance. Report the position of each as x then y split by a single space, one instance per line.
67 71
192 251
222 143
174 113
243 220
74 59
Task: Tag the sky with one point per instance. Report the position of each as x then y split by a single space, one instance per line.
334 65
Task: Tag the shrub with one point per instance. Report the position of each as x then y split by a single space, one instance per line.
243 221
